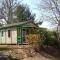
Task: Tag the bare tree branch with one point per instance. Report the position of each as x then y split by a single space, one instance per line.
7 10
53 7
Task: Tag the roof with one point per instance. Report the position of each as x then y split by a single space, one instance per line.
16 24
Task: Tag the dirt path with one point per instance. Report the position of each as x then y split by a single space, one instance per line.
37 58
25 54
42 56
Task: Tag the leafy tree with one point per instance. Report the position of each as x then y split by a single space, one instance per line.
47 38
50 39
23 13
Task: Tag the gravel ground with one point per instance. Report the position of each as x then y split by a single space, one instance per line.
24 53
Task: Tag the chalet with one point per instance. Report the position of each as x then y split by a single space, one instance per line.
16 33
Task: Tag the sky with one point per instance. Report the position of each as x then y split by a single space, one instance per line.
33 5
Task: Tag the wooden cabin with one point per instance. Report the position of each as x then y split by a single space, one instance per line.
16 33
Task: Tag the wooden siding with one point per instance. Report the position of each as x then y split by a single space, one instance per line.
13 28
8 40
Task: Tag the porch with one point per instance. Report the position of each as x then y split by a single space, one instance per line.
24 35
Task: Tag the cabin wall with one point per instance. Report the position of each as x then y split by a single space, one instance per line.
8 40
2 38
12 39
14 36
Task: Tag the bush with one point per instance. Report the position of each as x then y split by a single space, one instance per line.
50 39
47 38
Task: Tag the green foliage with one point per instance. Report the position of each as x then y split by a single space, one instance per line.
23 13
48 38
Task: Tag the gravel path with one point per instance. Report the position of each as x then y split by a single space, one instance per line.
40 57
25 54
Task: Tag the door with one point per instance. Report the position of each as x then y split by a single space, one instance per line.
23 35
19 36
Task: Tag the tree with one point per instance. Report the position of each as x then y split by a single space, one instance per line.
11 11
23 13
53 7
8 10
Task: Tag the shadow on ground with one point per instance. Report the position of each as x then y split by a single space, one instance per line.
50 52
7 58
4 57
2 49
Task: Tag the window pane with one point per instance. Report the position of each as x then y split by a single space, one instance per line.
8 33
23 35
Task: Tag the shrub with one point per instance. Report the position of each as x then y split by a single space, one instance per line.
47 38
50 39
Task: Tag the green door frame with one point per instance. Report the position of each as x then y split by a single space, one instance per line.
19 37
23 35
21 27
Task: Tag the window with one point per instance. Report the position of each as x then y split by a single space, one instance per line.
9 33
23 35
2 33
